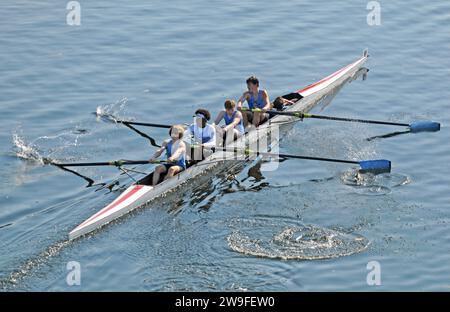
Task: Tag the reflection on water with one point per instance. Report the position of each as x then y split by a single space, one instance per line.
209 189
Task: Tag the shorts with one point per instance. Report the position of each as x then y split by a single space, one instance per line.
250 117
171 165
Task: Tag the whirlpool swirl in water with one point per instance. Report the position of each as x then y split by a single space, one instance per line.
280 238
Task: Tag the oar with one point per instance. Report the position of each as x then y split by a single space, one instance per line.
377 166
145 124
388 135
116 163
129 124
415 127
89 180
114 119
145 135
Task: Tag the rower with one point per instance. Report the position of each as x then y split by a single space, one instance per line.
234 125
255 98
200 133
280 103
176 155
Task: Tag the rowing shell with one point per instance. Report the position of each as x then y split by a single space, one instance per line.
139 194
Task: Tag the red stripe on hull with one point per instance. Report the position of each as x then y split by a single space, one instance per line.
128 195
326 79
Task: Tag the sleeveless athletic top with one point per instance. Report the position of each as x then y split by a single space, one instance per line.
239 127
258 103
181 160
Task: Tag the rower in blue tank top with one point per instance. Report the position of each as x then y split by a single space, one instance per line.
181 160
234 124
256 99
258 102
176 155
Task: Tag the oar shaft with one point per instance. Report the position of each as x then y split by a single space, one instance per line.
375 166
104 163
249 152
315 158
355 120
146 124
300 114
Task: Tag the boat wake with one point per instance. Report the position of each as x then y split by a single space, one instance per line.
13 280
286 239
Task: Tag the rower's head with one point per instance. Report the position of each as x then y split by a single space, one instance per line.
201 117
176 132
252 84
230 106
279 103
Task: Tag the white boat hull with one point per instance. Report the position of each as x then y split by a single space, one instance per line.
137 196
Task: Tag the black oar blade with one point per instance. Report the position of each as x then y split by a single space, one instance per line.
424 126
375 166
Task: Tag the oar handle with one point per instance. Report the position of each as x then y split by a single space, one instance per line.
272 112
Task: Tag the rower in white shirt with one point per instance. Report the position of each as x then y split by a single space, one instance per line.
202 134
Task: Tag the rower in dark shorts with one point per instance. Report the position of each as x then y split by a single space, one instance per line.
175 150
200 136
234 124
256 98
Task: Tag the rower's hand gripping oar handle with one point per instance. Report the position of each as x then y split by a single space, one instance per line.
299 115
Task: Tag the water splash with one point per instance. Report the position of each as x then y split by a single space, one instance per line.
286 239
111 112
373 185
44 148
25 150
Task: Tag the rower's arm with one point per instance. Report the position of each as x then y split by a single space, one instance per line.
242 99
266 100
219 117
236 121
159 151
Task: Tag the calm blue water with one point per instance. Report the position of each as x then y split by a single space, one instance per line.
158 61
